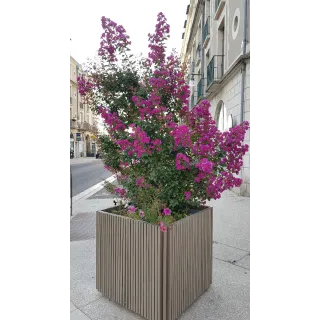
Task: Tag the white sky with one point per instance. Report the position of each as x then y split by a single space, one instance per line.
138 17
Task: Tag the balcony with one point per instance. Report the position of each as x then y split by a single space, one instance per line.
206 33
198 54
215 70
73 124
85 126
94 129
219 7
199 90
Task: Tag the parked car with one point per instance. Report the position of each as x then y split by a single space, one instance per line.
98 156
71 154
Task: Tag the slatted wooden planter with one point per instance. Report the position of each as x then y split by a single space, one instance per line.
155 274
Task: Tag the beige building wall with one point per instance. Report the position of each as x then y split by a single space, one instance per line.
83 124
221 70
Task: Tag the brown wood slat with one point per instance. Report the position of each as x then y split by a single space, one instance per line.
156 277
97 252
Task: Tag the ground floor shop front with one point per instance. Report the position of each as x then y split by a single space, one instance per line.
82 144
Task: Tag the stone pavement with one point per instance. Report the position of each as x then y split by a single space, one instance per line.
228 298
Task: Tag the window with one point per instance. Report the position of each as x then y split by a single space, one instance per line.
75 94
221 116
236 23
217 4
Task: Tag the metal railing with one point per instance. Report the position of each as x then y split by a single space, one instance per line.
199 89
206 30
215 69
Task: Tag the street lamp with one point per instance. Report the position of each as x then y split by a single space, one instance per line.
192 82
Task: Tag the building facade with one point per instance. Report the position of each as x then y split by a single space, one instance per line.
216 48
83 122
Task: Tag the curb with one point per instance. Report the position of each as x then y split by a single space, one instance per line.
92 190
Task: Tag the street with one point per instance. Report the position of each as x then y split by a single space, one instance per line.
86 173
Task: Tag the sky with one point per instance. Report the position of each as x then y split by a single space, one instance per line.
138 17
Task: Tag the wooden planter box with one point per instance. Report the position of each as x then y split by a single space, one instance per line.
155 274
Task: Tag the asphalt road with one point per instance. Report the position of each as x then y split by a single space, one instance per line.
86 175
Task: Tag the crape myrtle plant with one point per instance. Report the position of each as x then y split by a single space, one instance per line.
167 160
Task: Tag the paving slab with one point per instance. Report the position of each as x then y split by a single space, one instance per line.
83 272
85 205
78 315
83 226
231 220
244 262
104 309
227 253
228 298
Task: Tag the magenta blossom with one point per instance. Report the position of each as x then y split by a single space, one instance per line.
131 209
163 228
182 161
187 194
205 165
166 211
141 213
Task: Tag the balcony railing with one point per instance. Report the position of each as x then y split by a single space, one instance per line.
215 69
199 89
206 30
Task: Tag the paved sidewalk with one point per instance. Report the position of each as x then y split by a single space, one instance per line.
228 298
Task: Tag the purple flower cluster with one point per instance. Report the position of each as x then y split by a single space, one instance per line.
156 40
111 119
131 209
204 165
84 86
112 39
120 192
182 161
181 135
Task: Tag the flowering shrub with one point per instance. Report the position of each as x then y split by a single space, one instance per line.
166 158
